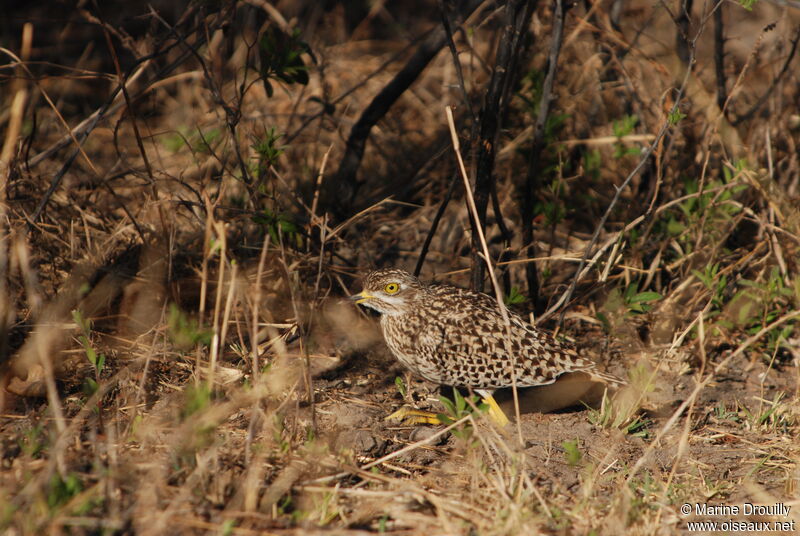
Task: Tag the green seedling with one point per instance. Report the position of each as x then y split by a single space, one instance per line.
675 117
514 297
97 360
458 408
185 332
571 452
401 386
281 55
622 128
639 302
268 149
279 225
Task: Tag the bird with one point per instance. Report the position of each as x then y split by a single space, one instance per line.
458 337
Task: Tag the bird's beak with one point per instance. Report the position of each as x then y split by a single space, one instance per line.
361 297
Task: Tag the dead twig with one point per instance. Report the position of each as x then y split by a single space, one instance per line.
518 13
533 176
719 56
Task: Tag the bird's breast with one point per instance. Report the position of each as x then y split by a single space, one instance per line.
402 335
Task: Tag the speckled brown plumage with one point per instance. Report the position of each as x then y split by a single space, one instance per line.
457 337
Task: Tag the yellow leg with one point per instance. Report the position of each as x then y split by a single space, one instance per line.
495 413
410 416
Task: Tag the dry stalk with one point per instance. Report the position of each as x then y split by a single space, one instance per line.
489 264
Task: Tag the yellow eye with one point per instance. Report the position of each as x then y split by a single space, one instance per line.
391 288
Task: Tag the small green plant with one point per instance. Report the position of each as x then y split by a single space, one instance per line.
268 149
552 208
458 408
227 527
199 141
61 490
553 212
714 282
278 225
32 443
644 492
401 386
281 55
758 303
709 199
675 117
515 296
773 295
174 141
772 418
612 415
532 82
604 321
622 128
205 140
185 332
709 212
638 427
639 302
553 125
748 4
98 360
325 510
722 413
592 162
739 165
278 436
197 397
382 523
572 452
284 505
761 465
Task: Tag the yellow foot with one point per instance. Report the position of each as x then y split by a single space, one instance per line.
409 416
495 413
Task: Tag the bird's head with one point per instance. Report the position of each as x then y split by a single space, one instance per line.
389 291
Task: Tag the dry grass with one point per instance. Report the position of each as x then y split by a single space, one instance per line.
176 354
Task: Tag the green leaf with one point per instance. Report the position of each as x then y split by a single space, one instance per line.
676 117
514 297
401 385
572 452
444 419
644 297
281 57
604 321
90 353
448 404
62 490
89 386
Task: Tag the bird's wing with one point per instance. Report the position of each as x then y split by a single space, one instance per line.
472 330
